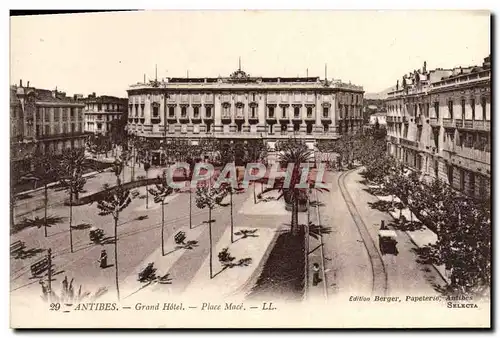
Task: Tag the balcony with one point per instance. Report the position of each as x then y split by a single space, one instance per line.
253 118
482 125
408 143
155 119
326 117
297 117
239 116
448 123
470 153
434 122
459 123
226 117
60 136
283 117
171 118
196 117
184 117
271 117
310 117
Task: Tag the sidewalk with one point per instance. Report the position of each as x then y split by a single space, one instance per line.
421 237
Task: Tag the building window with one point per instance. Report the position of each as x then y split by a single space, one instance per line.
239 126
171 111
155 111
73 127
253 96
326 112
483 107
326 128
47 130
183 112
99 126
309 111
296 112
283 128
253 112
283 112
271 111
208 111
296 127
436 109
196 112
450 108
309 128
142 110
463 109
473 108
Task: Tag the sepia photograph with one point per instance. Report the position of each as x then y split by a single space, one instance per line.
250 169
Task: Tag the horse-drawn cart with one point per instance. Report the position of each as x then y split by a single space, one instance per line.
387 241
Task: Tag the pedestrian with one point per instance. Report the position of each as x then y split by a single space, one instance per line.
383 226
65 286
103 260
316 278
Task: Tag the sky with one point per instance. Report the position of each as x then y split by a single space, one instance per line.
107 52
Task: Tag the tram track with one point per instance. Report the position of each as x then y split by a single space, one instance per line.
379 273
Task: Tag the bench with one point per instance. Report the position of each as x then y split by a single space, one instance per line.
180 237
39 266
17 247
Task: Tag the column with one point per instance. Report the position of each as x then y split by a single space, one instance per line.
318 127
217 127
262 108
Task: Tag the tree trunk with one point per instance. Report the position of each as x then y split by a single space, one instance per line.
190 208
45 209
147 194
232 224
295 217
162 227
210 239
254 196
116 259
70 220
12 205
133 166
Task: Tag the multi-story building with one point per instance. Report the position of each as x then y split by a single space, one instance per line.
244 107
100 111
439 122
43 120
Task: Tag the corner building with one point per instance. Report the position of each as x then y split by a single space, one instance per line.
245 107
439 122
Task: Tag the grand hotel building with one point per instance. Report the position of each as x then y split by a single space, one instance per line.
439 122
244 107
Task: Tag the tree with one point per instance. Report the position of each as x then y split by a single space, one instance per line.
71 178
45 172
255 152
114 202
160 193
298 154
208 197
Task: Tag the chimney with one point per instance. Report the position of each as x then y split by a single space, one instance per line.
20 82
424 70
28 84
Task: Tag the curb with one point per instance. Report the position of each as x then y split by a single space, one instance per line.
55 183
247 286
413 241
418 246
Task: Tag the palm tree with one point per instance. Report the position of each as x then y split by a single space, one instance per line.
297 153
163 189
45 172
71 178
113 203
208 197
